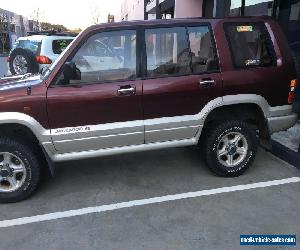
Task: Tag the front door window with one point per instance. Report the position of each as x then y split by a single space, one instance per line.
105 57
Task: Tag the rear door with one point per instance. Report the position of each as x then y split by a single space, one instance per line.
182 76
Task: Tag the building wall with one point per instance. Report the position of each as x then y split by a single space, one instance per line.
188 8
18 24
131 10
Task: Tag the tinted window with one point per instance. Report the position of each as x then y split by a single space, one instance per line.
179 51
59 46
99 60
33 46
250 45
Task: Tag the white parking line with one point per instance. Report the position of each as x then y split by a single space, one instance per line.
116 206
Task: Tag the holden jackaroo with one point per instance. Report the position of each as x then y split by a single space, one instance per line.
222 84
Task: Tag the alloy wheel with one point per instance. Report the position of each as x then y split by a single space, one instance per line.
12 172
20 65
232 149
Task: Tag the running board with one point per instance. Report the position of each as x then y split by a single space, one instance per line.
122 150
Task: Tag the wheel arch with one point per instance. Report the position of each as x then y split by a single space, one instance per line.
250 112
243 111
25 134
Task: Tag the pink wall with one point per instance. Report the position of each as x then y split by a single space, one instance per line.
188 8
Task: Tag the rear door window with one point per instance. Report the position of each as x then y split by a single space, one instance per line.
202 50
250 45
60 45
179 51
167 52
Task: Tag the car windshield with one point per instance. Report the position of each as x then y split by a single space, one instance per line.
31 45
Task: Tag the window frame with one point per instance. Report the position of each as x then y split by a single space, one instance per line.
137 30
179 25
264 31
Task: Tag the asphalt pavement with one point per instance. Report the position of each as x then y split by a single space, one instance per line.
211 221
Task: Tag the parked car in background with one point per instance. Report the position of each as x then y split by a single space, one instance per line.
222 84
30 54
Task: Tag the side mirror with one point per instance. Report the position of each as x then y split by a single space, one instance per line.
71 72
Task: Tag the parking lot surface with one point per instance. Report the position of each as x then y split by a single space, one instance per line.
206 222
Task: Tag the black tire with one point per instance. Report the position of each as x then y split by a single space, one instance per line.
31 163
32 65
212 139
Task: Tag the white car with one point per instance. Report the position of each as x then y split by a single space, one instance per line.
30 54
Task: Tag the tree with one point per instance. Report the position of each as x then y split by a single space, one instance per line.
76 30
56 27
5 21
36 17
95 11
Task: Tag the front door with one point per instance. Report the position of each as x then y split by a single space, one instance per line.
182 77
103 109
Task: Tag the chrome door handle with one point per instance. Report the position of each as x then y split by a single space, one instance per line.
127 91
207 83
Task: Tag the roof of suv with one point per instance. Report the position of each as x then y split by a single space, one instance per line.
173 20
185 19
42 37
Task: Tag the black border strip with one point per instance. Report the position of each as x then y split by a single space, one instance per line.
286 154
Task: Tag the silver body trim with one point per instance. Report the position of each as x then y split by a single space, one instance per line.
71 143
280 123
122 150
94 143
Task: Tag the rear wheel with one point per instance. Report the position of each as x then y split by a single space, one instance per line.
19 171
230 147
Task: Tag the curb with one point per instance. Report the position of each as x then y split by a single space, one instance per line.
285 154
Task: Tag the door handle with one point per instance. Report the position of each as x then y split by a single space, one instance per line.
207 82
126 91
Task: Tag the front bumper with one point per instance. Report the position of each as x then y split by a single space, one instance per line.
279 123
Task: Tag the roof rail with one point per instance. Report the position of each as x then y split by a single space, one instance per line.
51 33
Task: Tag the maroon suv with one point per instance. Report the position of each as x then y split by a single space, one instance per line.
225 84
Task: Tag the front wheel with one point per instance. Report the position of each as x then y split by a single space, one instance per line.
230 147
19 171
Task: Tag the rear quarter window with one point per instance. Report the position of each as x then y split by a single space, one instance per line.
60 45
250 45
